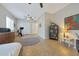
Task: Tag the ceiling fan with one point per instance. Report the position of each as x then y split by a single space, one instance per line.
30 18
41 4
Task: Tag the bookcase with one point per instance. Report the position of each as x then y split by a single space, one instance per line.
53 31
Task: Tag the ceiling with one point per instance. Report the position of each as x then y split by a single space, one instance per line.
21 10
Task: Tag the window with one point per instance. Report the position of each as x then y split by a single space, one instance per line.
10 23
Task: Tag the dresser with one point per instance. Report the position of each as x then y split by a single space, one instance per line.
7 37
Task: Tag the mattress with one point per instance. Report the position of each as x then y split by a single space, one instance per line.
10 49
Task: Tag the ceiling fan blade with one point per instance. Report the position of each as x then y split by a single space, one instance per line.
41 5
29 3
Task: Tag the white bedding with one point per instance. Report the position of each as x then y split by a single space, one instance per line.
10 49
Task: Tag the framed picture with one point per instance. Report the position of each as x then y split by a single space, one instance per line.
72 22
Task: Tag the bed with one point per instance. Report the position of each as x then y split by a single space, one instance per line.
10 49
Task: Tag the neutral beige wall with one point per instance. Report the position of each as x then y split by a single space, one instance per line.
35 28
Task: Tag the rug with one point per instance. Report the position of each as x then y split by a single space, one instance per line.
28 41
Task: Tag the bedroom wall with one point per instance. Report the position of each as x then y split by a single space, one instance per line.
48 21
23 23
28 28
41 31
45 19
3 13
59 16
